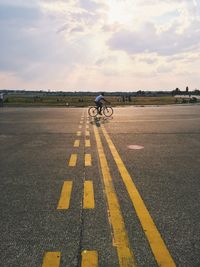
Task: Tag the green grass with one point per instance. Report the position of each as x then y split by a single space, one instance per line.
162 100
84 101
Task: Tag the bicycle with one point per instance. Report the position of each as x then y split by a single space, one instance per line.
106 110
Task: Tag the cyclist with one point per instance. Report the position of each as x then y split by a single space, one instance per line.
99 103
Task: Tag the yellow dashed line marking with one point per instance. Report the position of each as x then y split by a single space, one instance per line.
89 258
78 133
73 160
76 143
88 160
156 243
87 133
88 198
65 196
125 254
87 143
51 259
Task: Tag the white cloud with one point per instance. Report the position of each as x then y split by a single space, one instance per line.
148 40
96 44
91 5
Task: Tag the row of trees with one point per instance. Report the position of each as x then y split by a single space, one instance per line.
122 94
177 91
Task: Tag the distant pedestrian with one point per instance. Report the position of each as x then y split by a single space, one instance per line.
1 99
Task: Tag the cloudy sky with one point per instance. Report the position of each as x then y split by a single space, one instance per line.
100 44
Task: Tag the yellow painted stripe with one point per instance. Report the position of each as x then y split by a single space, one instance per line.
125 254
51 259
73 160
65 196
87 143
88 160
78 133
156 242
87 133
76 143
89 258
88 198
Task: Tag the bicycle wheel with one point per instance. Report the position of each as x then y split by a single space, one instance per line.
108 111
92 111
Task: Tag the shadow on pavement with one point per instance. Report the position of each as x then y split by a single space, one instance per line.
100 120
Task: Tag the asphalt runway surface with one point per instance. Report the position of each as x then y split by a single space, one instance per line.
120 191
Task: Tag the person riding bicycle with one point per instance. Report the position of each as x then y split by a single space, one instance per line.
98 102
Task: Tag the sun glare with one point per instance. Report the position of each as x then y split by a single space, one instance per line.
119 11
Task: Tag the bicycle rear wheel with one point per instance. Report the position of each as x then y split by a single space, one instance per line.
92 111
108 111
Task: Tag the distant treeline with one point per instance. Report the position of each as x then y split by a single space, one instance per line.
43 93
177 91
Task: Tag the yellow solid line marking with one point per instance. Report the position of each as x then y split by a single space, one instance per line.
88 198
78 133
125 254
89 258
65 196
87 133
87 143
73 160
76 143
157 245
88 160
51 259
